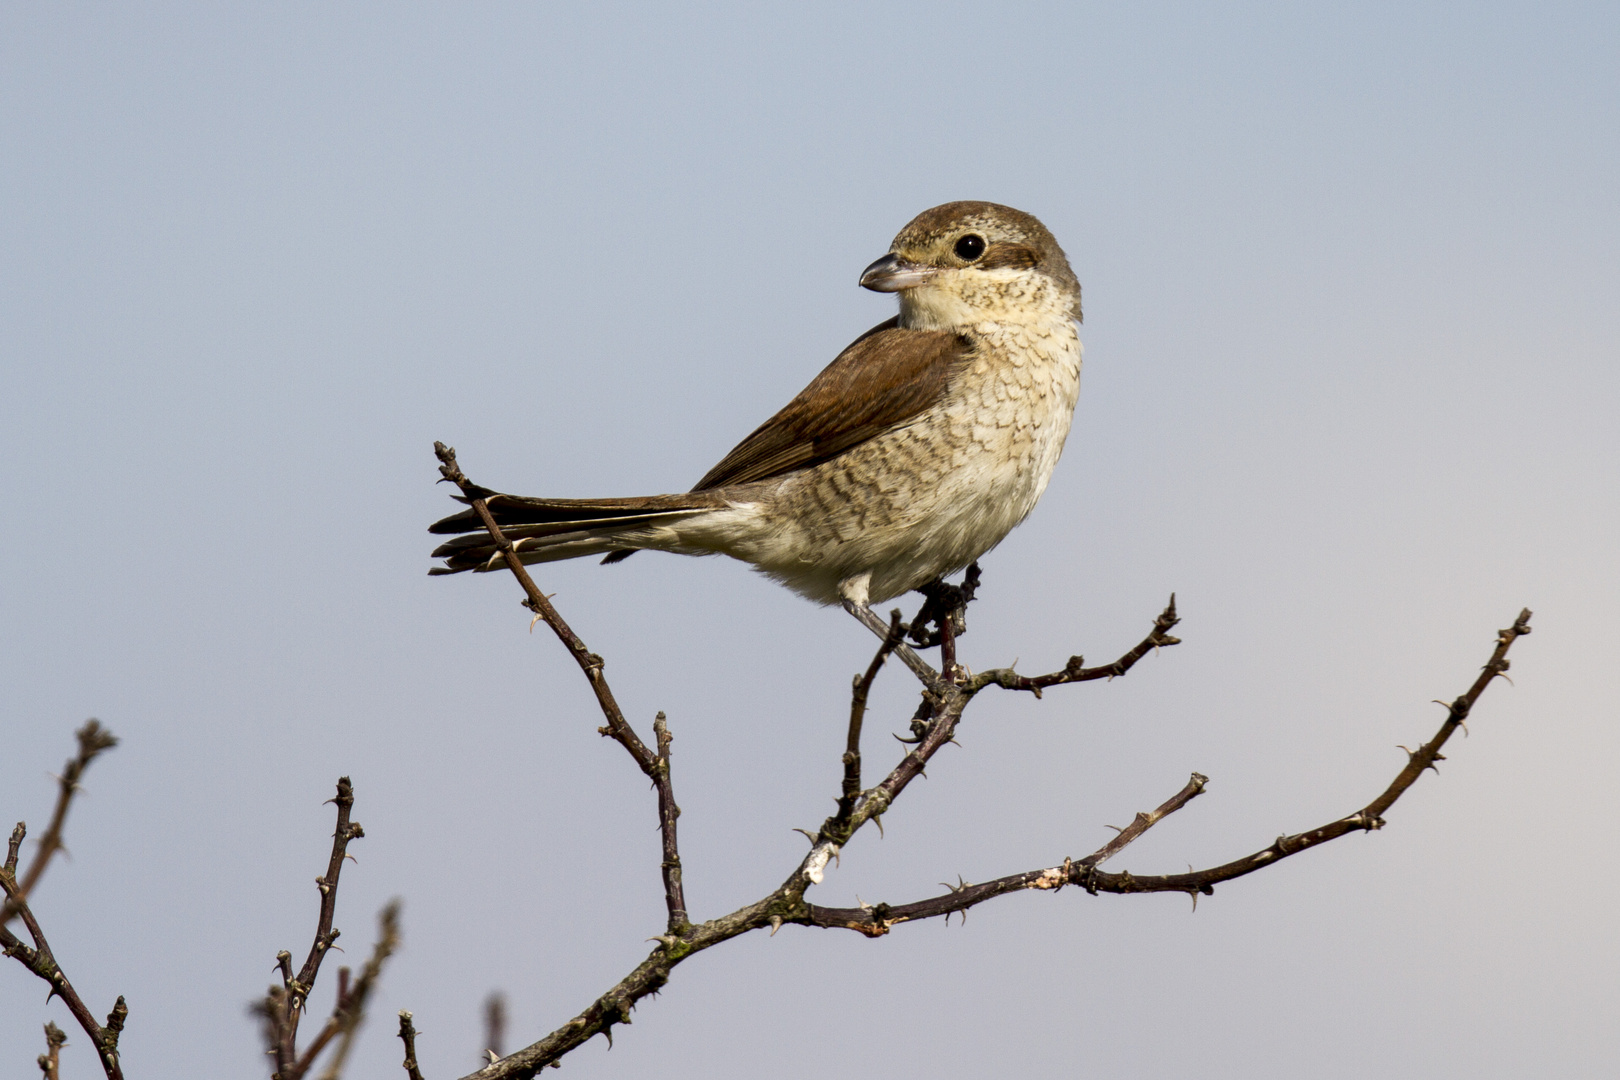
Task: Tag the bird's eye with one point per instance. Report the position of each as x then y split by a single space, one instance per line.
970 247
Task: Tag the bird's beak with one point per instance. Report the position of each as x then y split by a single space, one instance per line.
894 274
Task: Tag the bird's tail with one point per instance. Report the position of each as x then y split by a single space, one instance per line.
545 530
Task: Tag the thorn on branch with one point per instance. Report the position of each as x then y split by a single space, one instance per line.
1075 670
93 740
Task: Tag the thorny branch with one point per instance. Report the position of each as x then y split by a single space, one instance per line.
407 1035
857 713
936 721
350 1010
655 765
284 1005
875 921
42 962
93 739
1076 671
945 697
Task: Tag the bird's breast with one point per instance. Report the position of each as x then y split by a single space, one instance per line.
1011 411
929 496
973 465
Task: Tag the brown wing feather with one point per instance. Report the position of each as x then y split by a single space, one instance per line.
886 377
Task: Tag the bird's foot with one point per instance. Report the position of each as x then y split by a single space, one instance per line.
945 608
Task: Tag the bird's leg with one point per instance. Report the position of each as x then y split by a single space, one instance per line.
869 618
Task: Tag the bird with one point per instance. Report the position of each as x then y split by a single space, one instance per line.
917 450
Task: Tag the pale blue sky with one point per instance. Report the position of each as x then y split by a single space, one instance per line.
1350 390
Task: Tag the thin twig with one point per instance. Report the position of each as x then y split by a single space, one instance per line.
407 1035
857 713
618 728
674 889
1076 671
50 1062
349 1011
876 920
1367 819
93 740
42 962
1145 821
284 1005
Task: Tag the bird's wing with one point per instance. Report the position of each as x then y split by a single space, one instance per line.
886 377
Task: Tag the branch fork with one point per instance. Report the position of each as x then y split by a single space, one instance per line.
283 1007
93 740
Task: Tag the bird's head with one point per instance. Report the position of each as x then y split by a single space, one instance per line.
969 262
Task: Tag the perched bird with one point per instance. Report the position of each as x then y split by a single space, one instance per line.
916 451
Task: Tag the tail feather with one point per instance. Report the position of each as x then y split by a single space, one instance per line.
546 530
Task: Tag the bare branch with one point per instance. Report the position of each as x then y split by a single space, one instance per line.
42 963
1366 819
876 920
656 766
50 1062
284 1005
674 891
933 726
93 740
1076 670
349 1011
857 713
407 1035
